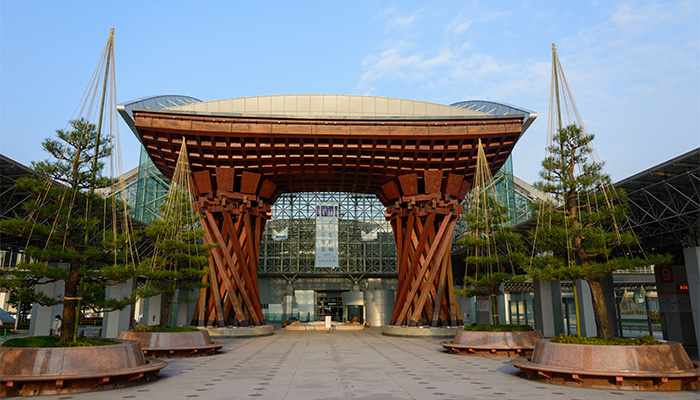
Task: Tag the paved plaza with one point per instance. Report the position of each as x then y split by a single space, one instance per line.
348 365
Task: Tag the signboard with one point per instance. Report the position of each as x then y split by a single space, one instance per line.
483 304
675 303
326 235
327 322
281 235
666 274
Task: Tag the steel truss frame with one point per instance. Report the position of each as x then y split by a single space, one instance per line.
295 255
664 203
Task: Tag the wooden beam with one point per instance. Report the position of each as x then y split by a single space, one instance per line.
267 189
216 295
232 264
433 181
212 235
444 245
456 317
202 298
202 182
409 184
249 182
424 268
225 179
454 184
440 292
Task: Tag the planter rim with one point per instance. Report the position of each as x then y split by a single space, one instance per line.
435 332
525 363
129 335
150 365
663 342
505 334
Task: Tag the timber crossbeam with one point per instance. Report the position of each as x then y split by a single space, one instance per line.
423 211
235 209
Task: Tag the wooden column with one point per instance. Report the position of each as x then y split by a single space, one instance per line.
234 208
423 211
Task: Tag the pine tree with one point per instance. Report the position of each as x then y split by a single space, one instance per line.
578 240
74 235
495 252
179 256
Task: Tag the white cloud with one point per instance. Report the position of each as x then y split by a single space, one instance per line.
459 24
395 20
401 21
444 57
390 65
625 63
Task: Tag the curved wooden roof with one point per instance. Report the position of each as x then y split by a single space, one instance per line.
300 150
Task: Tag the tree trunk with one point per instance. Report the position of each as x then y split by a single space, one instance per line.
166 301
69 303
602 322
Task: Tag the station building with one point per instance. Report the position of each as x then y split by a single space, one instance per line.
364 281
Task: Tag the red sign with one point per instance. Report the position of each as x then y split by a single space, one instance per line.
666 274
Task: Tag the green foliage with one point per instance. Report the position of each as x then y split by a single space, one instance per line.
69 228
493 247
494 251
499 328
180 257
53 341
644 340
577 241
161 328
487 285
74 155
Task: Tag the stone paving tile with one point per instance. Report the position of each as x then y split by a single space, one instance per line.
348 365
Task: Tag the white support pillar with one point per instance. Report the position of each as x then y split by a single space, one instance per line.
151 311
185 310
42 317
138 311
502 302
692 269
505 305
548 310
4 299
119 320
483 315
467 305
585 310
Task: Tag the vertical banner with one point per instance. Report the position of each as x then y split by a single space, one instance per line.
326 235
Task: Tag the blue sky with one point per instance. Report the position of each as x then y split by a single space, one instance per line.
633 66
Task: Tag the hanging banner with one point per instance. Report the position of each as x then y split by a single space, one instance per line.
281 235
326 235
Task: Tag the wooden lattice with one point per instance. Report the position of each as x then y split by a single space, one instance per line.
423 213
235 207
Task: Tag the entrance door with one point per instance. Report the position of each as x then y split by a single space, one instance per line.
329 303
